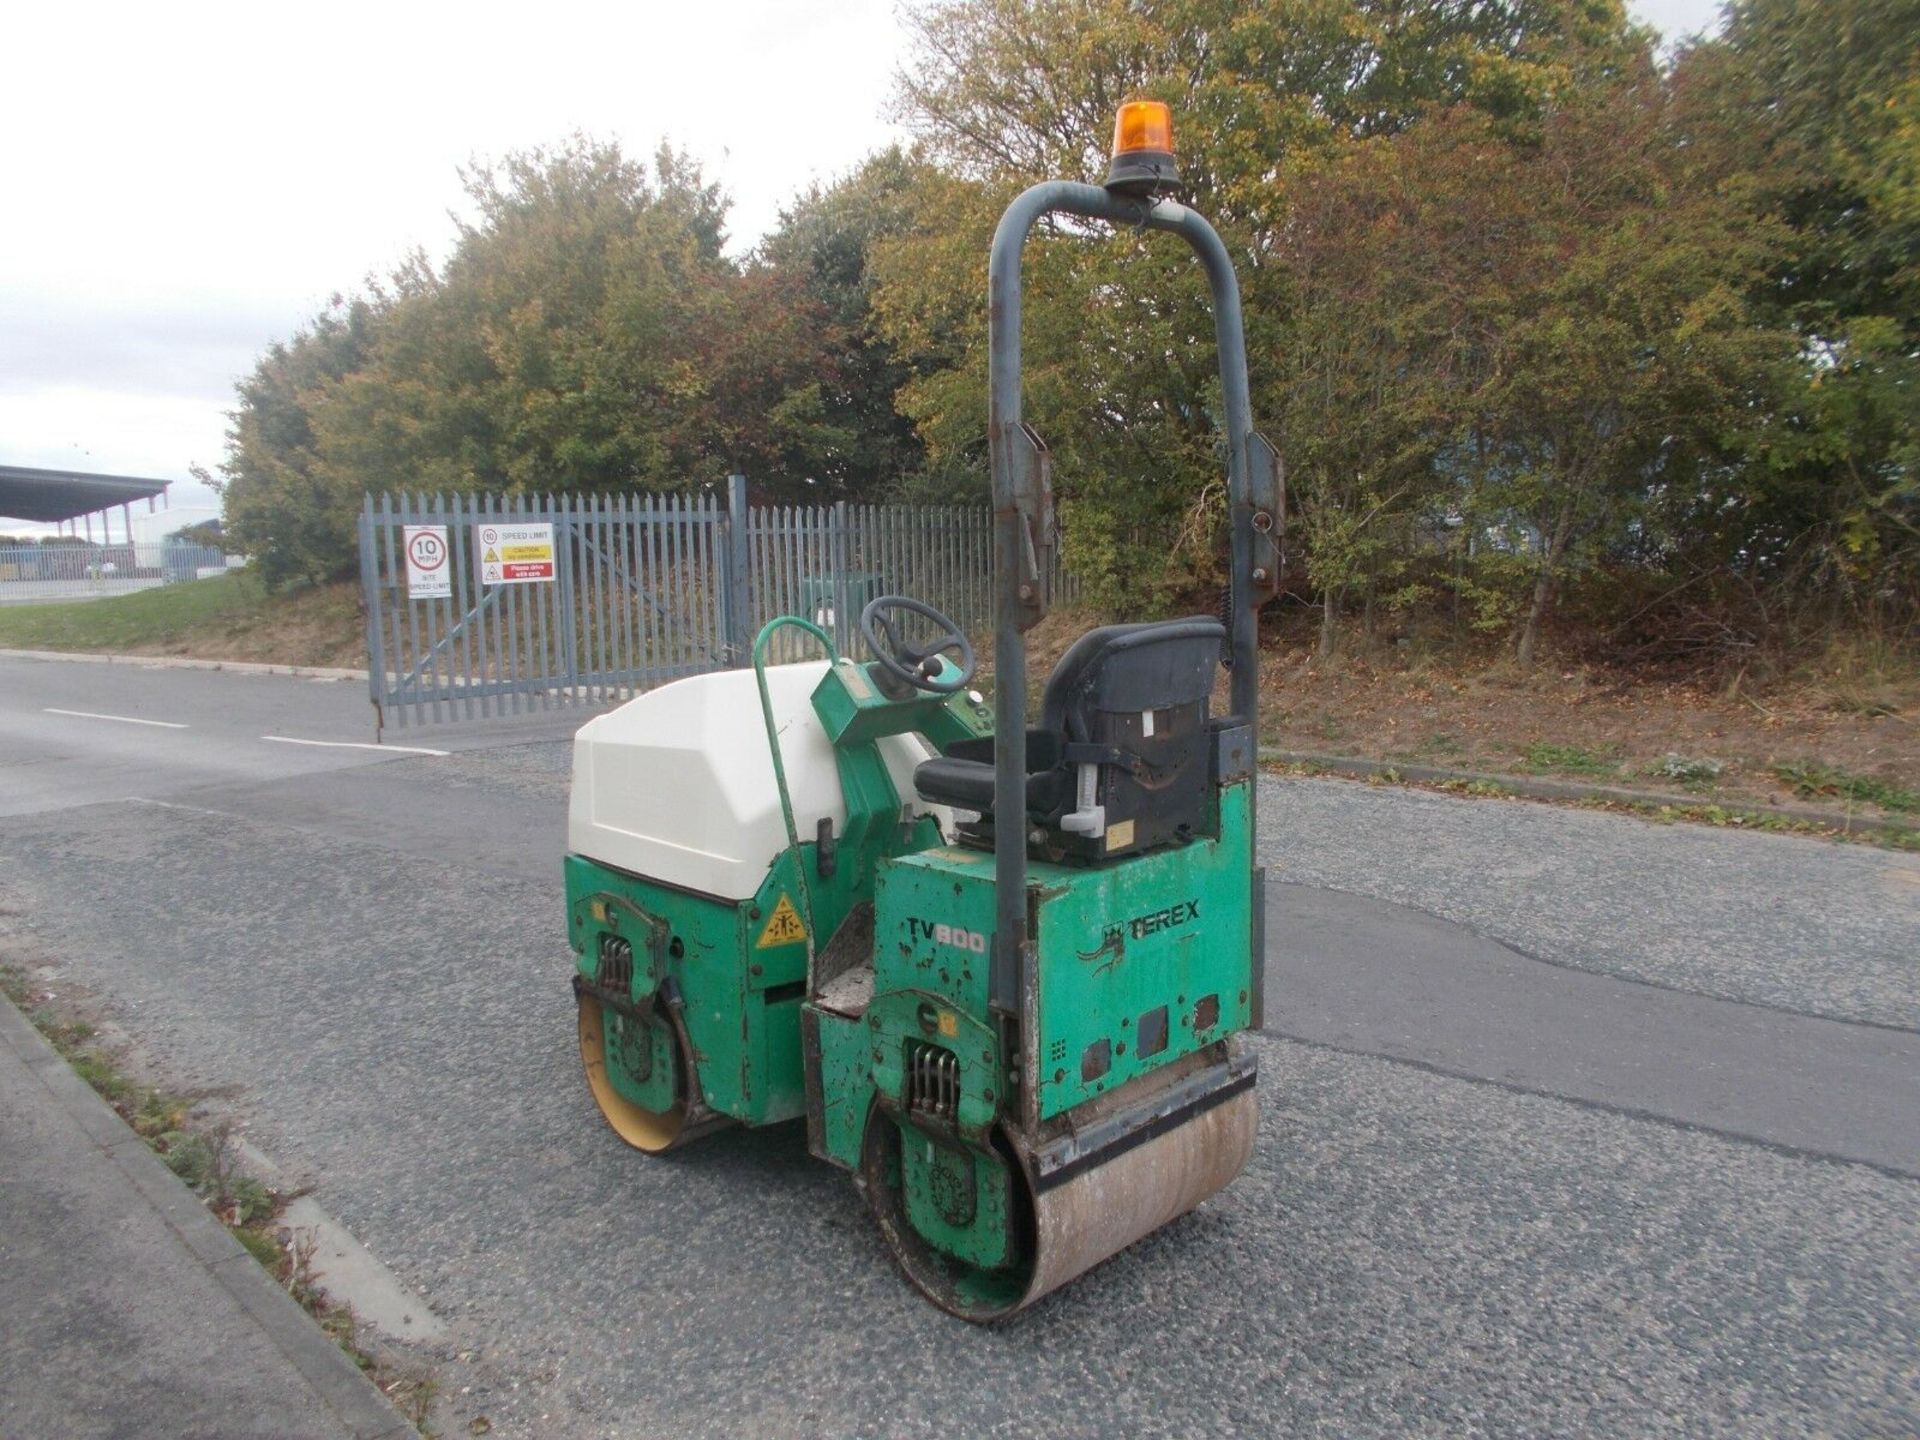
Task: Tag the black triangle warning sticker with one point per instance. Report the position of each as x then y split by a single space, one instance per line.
784 927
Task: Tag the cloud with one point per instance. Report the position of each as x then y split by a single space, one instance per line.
230 166
114 432
166 347
227 166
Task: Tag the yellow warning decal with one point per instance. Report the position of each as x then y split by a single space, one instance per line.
784 927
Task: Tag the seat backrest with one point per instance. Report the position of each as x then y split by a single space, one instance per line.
1131 668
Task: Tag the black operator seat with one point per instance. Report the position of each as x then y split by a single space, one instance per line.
1120 761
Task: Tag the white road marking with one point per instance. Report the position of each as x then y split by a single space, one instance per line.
356 745
123 719
174 805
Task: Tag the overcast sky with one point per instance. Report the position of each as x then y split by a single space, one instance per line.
186 183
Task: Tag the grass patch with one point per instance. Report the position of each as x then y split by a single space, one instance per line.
143 618
1549 759
1811 780
151 1112
260 1244
1734 819
226 617
1685 770
207 1161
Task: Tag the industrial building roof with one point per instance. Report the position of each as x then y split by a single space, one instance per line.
53 495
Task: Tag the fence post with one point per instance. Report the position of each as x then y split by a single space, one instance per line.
565 511
837 550
370 590
736 603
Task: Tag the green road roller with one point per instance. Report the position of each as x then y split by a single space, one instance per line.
999 966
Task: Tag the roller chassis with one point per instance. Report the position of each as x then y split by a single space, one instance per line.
883 1034
1021 1039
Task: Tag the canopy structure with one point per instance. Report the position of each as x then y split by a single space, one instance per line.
70 497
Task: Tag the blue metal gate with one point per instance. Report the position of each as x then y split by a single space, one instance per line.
634 590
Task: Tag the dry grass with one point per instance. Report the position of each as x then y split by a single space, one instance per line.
230 617
1841 733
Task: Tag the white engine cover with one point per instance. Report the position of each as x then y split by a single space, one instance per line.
677 784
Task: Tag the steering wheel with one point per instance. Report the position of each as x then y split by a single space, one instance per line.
915 664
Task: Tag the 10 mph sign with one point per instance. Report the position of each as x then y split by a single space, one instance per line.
428 574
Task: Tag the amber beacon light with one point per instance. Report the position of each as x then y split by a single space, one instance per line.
1142 149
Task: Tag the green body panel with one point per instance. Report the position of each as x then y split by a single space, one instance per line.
640 1060
1159 944
1115 944
904 1023
1152 956
960 1199
743 997
956 1186
853 709
846 1086
933 925
736 1006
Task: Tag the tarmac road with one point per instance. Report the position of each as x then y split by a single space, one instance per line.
1571 1124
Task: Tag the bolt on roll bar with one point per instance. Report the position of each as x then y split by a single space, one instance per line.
1023 520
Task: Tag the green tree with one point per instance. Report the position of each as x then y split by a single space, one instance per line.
826 244
1814 106
587 333
1119 362
284 503
1532 339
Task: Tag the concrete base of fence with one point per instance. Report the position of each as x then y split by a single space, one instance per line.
185 662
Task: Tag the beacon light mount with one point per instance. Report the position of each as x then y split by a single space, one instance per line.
1142 163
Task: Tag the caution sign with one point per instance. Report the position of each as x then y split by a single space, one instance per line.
513 554
784 927
428 574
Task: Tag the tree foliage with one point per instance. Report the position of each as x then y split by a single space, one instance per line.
1120 361
1521 305
1814 105
826 243
1536 317
587 333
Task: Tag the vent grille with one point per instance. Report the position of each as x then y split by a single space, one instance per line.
615 971
933 1081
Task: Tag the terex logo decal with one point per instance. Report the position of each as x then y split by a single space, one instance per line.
1113 938
1154 921
970 940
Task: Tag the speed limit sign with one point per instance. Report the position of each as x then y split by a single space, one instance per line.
428 574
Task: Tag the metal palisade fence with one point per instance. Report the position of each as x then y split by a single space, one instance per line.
71 570
485 605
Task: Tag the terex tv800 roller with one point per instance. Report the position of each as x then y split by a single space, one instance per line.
1000 969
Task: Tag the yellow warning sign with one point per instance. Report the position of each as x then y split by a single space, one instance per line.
784 927
514 554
